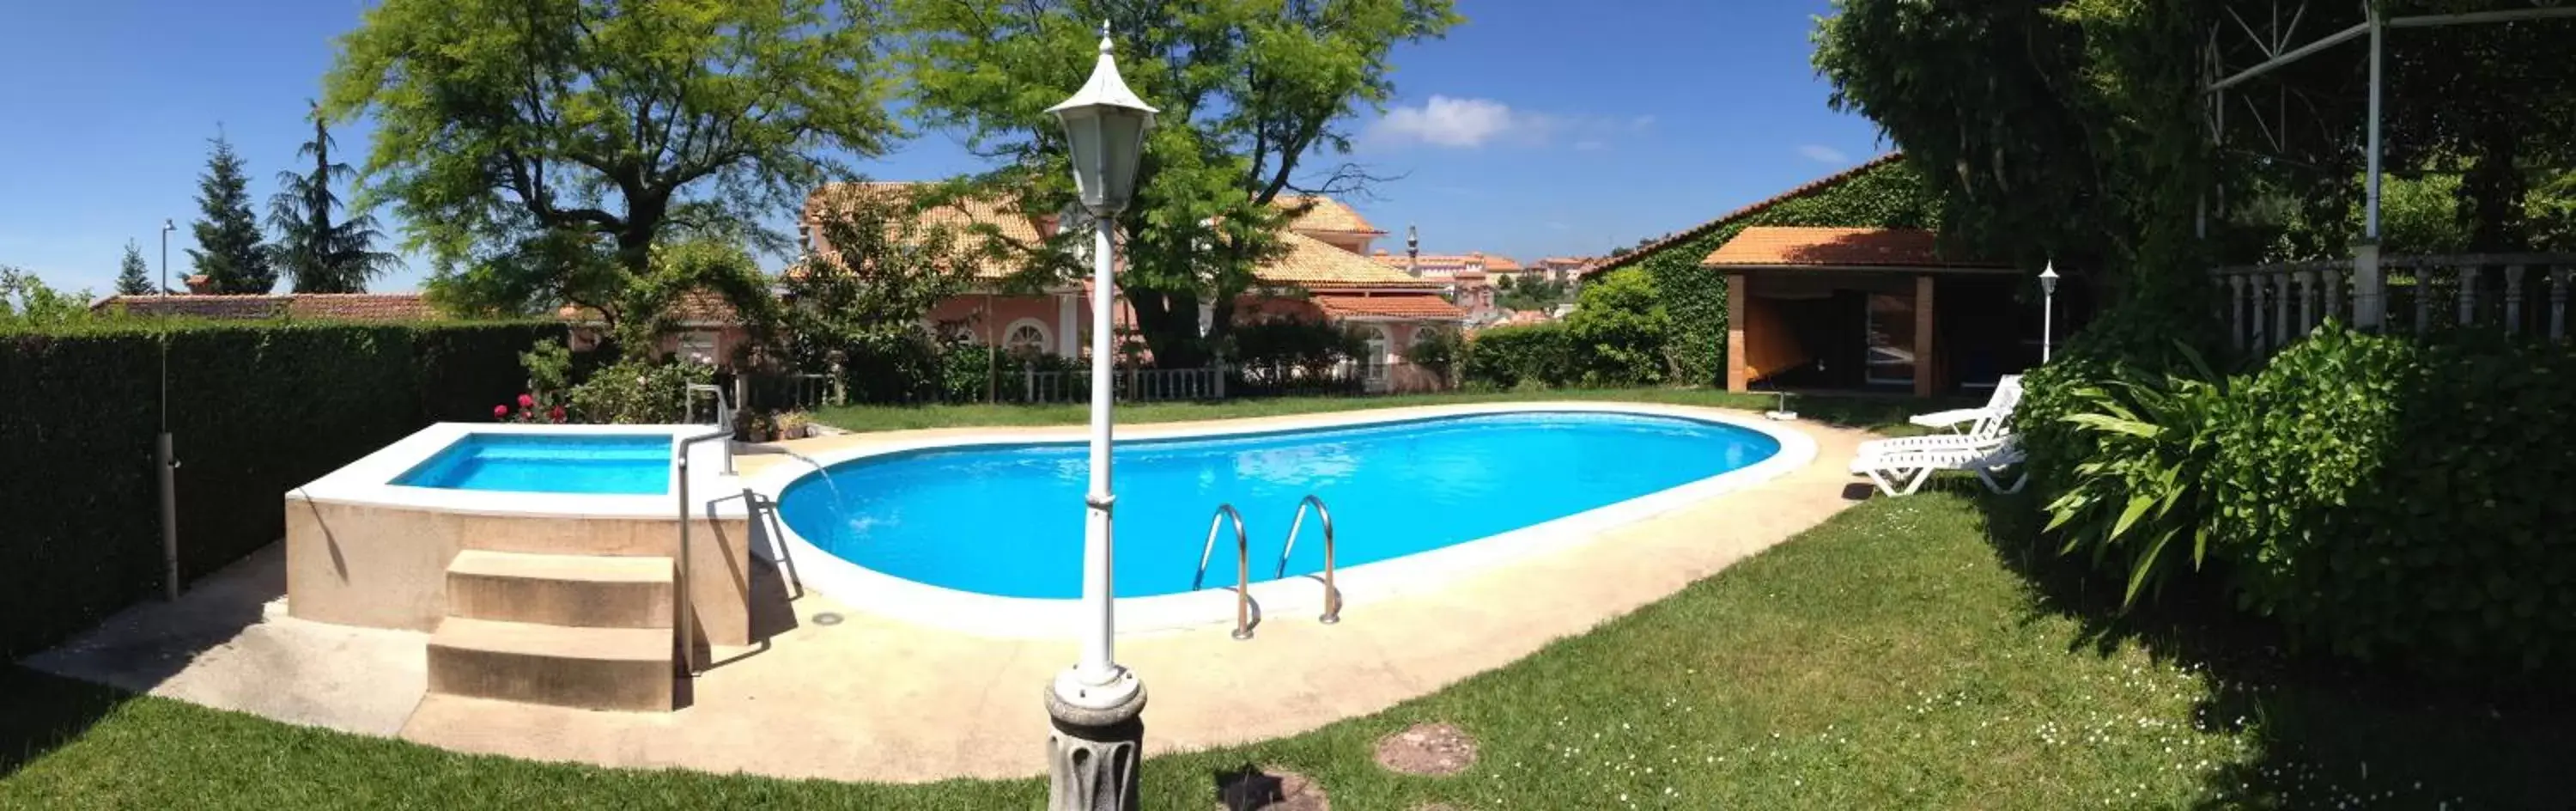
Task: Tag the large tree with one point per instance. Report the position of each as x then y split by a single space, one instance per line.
228 249
1256 96
320 255
133 277
538 150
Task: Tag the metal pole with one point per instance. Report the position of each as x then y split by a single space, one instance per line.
1098 665
2047 321
2370 205
165 458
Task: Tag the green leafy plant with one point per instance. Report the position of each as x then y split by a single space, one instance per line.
1506 358
637 392
2143 503
1619 333
1437 351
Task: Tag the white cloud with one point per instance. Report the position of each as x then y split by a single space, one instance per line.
1823 154
1468 123
1448 122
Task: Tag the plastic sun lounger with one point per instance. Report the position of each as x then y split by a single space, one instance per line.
1901 472
1982 419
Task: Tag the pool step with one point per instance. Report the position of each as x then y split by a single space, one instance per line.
588 591
586 668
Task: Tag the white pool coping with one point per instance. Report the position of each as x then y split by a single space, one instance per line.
369 481
1028 618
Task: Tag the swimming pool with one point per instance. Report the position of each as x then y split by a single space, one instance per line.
620 464
1006 519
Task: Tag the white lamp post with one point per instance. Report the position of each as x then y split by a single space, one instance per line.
1096 705
2047 308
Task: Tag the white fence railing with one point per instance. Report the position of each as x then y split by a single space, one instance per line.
1129 385
2270 306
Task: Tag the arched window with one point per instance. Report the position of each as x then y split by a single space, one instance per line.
1027 335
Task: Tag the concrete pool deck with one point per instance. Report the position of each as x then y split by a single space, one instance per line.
843 694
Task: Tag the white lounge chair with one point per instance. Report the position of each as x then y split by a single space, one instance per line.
1901 472
1984 424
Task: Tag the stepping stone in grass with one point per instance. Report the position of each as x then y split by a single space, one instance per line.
1437 750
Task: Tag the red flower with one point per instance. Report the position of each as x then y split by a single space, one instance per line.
556 414
527 401
500 411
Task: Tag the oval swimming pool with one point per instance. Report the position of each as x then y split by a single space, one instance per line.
1007 519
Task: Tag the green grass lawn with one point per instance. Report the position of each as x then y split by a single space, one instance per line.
1885 414
1890 658
1909 653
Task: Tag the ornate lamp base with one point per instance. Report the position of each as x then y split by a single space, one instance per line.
1094 753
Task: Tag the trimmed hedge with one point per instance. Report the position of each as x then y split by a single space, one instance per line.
255 408
1509 357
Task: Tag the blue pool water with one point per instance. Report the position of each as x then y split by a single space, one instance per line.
623 464
1008 519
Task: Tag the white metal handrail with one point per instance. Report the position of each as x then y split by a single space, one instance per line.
685 622
1332 595
1242 567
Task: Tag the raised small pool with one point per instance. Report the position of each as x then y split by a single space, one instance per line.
1007 519
615 464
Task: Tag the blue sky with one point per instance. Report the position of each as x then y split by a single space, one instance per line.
1539 128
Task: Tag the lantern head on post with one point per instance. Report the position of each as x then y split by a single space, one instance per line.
2048 278
1105 126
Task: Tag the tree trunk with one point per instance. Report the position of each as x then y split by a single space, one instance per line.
2494 188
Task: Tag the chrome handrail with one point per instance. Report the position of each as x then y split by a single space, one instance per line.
684 621
1242 567
1332 595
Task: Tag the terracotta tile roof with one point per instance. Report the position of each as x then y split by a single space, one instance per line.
1001 214
319 306
1694 232
1313 264
1323 214
1424 306
1773 246
695 308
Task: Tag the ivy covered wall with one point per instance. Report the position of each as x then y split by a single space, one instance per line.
1883 193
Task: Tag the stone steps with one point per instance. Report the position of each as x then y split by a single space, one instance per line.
585 591
583 631
586 668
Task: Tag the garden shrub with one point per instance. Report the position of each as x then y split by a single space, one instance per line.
633 392
2382 498
255 409
1619 333
1437 353
2403 500
1508 357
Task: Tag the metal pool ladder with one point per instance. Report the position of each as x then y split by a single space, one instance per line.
1332 595
1242 567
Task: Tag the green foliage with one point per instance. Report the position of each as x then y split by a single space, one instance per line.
1893 195
2074 133
1619 333
1437 351
255 409
529 145
26 301
1509 357
322 256
1536 293
549 366
2142 503
888 266
655 302
133 277
637 392
1293 341
2383 498
228 249
1253 94
2404 501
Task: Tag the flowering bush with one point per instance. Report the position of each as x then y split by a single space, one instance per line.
634 392
531 410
